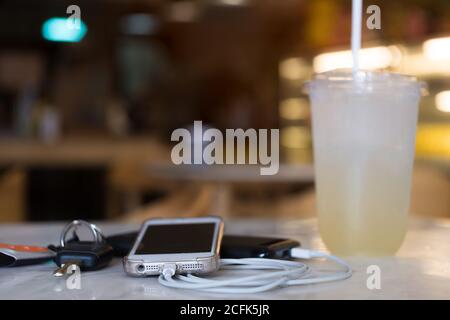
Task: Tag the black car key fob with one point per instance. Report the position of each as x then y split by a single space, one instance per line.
87 255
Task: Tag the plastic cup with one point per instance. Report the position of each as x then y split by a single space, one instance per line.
363 137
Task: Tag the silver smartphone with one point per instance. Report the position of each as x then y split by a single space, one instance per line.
190 244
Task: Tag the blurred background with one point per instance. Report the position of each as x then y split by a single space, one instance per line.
86 114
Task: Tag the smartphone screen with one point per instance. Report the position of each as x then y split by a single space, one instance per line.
177 238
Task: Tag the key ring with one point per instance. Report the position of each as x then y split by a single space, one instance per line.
75 224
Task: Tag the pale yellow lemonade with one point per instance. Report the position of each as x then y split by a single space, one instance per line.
363 136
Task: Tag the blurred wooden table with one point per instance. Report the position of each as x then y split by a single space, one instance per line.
231 173
222 178
123 160
81 151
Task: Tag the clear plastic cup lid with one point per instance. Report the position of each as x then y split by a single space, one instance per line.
365 80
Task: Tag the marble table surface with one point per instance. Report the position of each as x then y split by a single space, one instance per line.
420 270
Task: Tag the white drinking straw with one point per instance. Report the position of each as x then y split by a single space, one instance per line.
356 33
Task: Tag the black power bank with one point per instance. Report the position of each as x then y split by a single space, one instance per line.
233 246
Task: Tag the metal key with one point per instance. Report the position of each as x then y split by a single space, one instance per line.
63 270
87 255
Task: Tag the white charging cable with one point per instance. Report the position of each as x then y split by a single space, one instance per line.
288 273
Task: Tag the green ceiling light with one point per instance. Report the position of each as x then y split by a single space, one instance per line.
60 30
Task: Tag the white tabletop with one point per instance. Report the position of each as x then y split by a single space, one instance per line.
421 269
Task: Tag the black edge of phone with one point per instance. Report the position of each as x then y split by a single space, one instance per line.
233 246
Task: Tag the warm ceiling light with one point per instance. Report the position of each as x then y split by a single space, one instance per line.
233 2
418 65
293 69
370 59
295 137
442 100
437 49
294 109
